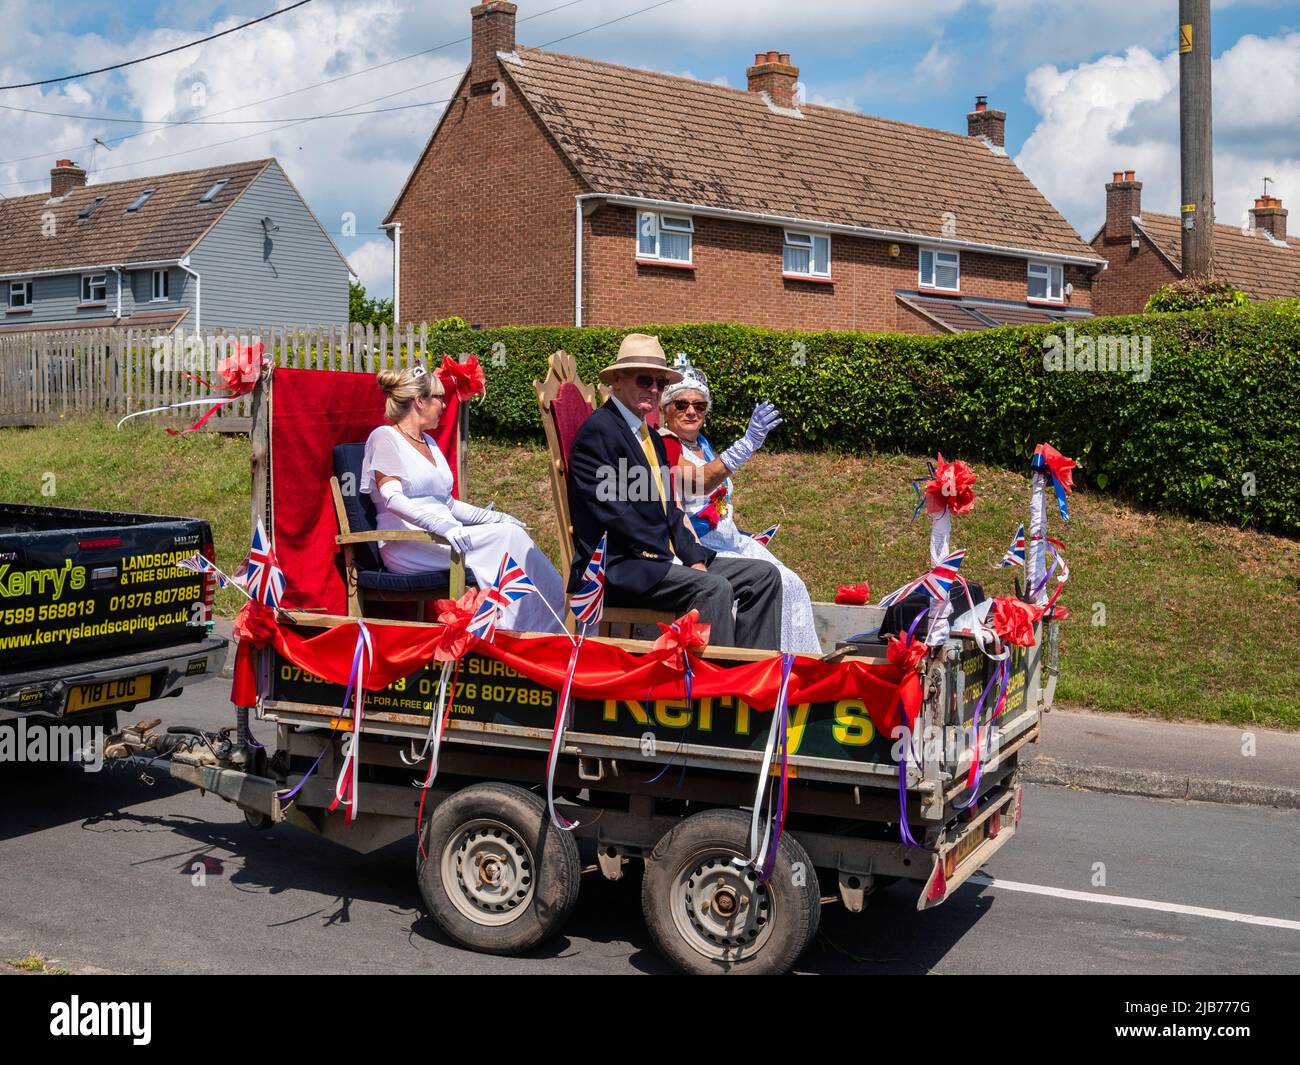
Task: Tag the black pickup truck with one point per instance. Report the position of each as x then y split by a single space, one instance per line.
95 615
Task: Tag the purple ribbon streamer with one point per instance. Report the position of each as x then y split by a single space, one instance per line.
998 675
782 710
347 698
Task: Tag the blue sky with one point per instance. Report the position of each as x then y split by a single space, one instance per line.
1088 88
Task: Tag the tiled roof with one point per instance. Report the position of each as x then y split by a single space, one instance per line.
968 314
639 133
165 227
167 320
1251 261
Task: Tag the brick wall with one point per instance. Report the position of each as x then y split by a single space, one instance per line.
737 277
1132 276
487 221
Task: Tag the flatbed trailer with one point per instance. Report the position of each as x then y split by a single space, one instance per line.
669 782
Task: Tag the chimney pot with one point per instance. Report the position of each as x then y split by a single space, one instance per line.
988 123
1269 214
492 30
1123 204
65 177
774 74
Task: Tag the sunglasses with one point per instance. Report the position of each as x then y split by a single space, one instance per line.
697 405
644 380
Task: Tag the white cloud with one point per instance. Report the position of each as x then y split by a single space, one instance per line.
373 262
1120 112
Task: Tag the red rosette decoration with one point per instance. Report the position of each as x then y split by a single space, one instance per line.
905 655
1061 467
465 379
684 635
716 508
1013 620
1061 612
950 487
853 594
455 615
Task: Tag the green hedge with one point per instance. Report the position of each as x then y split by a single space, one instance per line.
1219 410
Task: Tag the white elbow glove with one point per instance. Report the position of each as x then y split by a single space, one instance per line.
432 517
468 514
764 419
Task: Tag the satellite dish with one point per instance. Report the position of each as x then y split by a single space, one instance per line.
269 226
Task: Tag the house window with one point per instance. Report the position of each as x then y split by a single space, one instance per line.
664 237
139 201
806 254
211 194
20 295
161 285
1045 282
941 270
94 288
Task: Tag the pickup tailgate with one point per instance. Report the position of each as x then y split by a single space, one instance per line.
77 586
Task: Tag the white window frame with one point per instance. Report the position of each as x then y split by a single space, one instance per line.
26 288
90 282
935 254
1054 273
652 223
154 295
806 241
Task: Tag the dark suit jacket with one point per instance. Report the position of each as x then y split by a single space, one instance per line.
642 538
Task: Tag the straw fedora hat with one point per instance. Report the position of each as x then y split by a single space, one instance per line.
640 352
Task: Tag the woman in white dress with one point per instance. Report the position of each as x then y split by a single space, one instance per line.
706 493
409 480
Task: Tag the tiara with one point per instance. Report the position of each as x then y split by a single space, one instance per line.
418 370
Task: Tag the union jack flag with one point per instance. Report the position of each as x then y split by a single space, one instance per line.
512 584
199 564
1015 555
259 574
588 602
765 537
937 583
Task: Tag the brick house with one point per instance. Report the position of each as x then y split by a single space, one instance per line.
1145 251
678 200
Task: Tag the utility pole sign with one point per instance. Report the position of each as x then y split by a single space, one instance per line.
1196 136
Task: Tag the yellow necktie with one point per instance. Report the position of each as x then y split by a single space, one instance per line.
653 459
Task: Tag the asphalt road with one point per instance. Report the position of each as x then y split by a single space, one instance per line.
100 870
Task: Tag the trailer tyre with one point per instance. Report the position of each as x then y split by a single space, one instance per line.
709 915
498 876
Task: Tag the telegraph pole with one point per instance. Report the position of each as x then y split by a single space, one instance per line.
1196 136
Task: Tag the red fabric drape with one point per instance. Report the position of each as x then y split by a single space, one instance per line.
890 692
311 411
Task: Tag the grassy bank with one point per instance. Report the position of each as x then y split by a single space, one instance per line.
1174 618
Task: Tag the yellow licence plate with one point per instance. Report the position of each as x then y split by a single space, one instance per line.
967 844
109 693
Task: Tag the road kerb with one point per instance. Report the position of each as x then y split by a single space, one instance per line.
1157 784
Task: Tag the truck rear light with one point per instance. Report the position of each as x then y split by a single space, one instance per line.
209 584
104 541
949 864
939 882
995 825
1018 794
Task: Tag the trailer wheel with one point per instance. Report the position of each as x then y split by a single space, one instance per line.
709 915
499 877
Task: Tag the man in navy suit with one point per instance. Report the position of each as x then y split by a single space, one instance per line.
618 482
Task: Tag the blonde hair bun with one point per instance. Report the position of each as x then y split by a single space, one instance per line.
403 387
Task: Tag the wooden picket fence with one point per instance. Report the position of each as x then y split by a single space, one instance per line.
46 375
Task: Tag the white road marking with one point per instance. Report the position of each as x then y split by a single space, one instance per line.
1139 904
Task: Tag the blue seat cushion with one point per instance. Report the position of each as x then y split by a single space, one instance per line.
356 503
436 582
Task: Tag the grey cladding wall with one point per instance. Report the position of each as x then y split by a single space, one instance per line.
251 277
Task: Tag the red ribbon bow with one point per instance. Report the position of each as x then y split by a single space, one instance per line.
950 487
255 624
686 634
1013 620
1058 464
240 371
853 594
464 379
455 615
